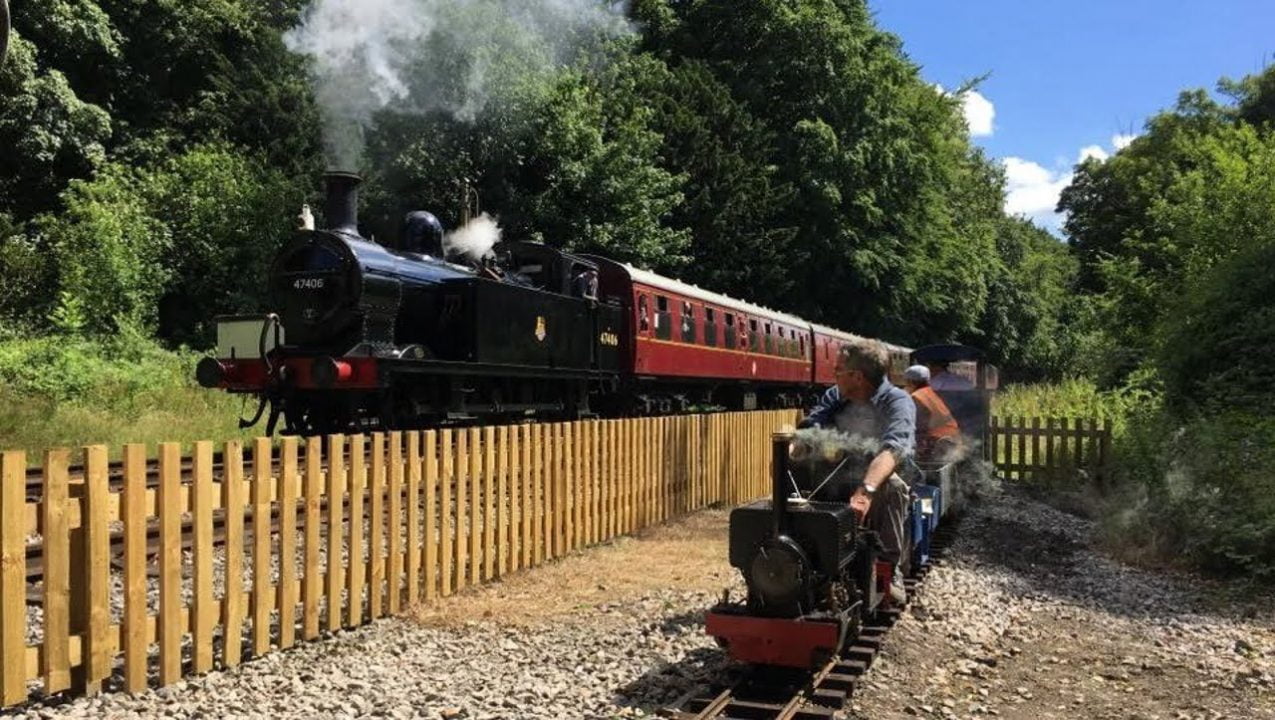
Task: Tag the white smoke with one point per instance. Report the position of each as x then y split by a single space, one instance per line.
426 55
475 240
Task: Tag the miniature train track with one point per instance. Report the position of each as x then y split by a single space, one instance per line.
761 693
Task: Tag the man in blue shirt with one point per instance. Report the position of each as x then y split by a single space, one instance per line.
864 402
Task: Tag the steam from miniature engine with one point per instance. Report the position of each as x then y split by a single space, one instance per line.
475 241
419 56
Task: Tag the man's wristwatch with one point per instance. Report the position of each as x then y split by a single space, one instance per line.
868 489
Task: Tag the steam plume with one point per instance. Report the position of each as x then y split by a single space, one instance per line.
427 55
475 240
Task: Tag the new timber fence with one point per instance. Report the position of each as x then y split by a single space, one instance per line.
1044 450
141 576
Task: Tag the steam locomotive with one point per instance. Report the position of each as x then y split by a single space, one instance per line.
400 334
812 572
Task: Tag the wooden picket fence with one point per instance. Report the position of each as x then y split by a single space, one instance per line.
319 535
1048 450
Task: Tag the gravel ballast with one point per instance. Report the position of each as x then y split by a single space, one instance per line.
1024 619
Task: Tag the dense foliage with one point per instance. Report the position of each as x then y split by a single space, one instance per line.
1175 239
782 150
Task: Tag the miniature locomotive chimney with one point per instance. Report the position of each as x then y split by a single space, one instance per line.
343 202
779 481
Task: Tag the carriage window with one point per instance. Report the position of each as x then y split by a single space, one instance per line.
644 314
754 338
688 322
710 327
801 341
732 338
663 319
770 342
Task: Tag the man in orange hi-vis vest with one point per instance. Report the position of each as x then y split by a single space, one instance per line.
938 437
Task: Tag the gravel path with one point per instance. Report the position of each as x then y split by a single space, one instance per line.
1026 620
1023 620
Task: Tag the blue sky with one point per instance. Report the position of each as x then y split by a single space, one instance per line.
1076 76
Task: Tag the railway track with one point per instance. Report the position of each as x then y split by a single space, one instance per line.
761 693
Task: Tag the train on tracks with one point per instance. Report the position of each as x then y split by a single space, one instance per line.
365 335
811 569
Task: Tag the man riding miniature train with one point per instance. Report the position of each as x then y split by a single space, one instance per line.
865 403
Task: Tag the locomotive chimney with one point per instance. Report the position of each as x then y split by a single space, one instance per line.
343 202
779 482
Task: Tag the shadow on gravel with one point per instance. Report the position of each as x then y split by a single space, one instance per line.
663 684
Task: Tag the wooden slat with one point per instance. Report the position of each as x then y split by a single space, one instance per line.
447 451
526 475
516 505
575 468
13 578
476 518
336 543
357 578
431 512
608 489
263 593
394 548
56 661
204 605
502 502
543 442
170 564
462 508
288 543
558 477
413 541
232 501
488 540
95 573
376 528
311 581
134 510
612 454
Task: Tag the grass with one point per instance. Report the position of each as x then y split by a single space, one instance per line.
64 393
1067 399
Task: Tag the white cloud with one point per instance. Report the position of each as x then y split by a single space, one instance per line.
1120 142
1032 191
1093 151
980 113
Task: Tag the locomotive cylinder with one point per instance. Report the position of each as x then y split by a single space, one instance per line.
342 204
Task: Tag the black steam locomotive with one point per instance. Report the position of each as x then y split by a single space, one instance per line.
368 335
811 570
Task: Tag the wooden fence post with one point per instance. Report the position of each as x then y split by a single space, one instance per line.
394 548
431 519
13 578
263 592
413 517
204 607
357 577
376 527
287 544
54 528
134 510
